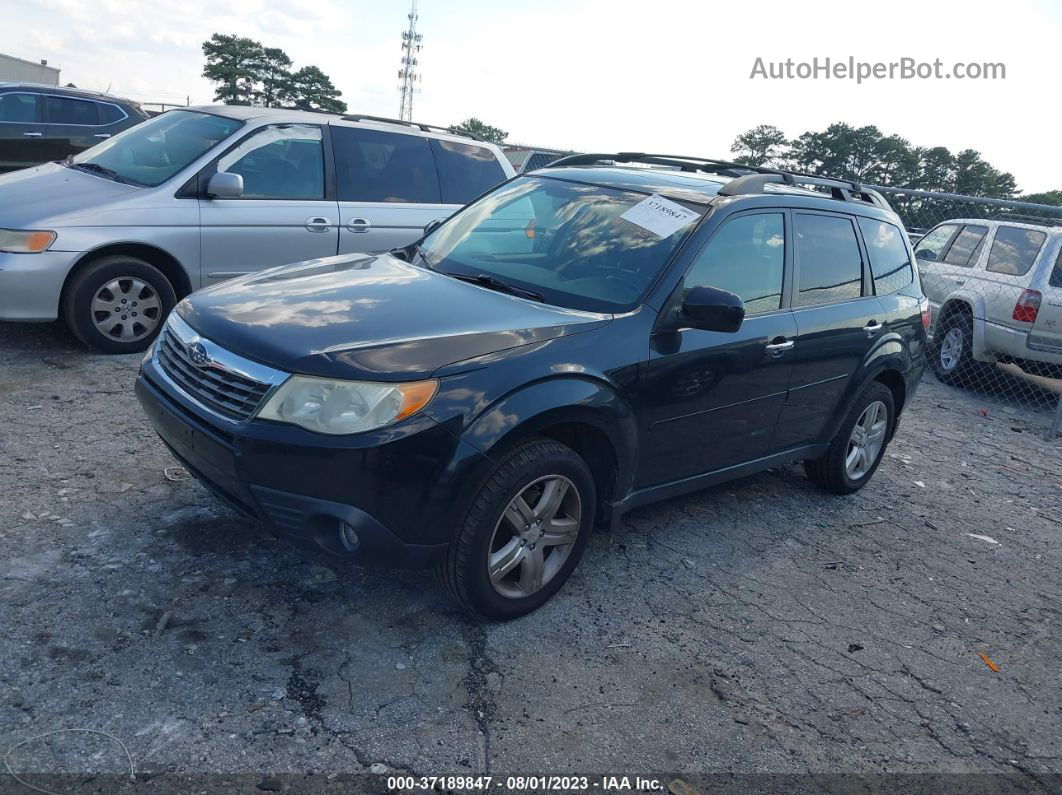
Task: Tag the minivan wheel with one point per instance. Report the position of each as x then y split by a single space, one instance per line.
523 533
858 447
117 304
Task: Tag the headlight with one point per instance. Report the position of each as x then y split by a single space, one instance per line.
17 241
338 407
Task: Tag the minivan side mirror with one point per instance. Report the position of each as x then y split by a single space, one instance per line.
431 226
712 309
224 185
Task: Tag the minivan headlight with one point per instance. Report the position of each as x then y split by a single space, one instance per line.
340 407
23 241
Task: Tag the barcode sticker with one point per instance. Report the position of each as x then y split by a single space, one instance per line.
660 216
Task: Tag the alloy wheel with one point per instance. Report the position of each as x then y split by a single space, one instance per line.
951 349
866 441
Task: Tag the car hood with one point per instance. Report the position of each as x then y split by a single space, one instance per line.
369 316
36 197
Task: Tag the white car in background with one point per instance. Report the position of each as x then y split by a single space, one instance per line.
995 289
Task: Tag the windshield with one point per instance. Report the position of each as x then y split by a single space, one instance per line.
153 151
564 240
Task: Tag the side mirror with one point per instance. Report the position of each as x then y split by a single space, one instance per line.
431 226
224 185
926 254
712 309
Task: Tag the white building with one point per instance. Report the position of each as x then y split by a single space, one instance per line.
16 70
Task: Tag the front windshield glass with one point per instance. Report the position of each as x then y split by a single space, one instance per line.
564 240
153 151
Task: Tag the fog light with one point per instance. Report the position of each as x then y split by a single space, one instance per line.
347 537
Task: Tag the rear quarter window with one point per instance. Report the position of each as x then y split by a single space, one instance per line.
1014 250
889 261
465 170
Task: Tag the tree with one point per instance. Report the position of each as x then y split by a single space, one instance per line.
1048 197
474 127
232 62
760 146
312 89
274 73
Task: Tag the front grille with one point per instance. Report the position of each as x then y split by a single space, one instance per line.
224 391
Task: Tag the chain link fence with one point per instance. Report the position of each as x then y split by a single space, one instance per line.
992 270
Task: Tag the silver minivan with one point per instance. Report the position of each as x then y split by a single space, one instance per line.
111 238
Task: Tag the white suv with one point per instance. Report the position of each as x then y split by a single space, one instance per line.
995 289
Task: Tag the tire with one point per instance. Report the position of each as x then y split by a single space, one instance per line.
488 528
951 354
832 472
139 291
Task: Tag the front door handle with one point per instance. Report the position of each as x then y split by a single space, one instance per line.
318 223
779 347
359 225
102 135
960 281
33 134
872 328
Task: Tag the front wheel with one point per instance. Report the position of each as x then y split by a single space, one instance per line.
524 532
858 447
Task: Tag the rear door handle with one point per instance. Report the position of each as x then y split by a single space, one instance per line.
33 134
102 135
872 328
359 225
776 349
318 223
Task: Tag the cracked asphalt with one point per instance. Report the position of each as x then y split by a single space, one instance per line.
757 627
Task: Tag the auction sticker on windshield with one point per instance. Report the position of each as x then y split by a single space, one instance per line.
660 216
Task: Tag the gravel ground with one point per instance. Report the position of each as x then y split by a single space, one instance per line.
760 626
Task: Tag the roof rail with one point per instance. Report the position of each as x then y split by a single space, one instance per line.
681 162
414 124
840 189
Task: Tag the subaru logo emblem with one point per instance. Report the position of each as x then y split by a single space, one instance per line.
198 355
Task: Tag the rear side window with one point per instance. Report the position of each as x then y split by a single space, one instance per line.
829 265
63 110
746 257
1014 250
929 248
18 108
967 246
465 170
888 256
375 166
109 114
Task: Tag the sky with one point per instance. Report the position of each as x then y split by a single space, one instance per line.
591 75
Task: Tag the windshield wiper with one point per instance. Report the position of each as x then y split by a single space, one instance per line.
494 283
103 171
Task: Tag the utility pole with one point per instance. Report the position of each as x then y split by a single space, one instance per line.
408 73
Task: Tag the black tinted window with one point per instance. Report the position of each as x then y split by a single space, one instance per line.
828 261
465 171
933 243
1056 274
967 245
18 108
374 166
283 162
746 257
1014 250
109 114
63 110
888 256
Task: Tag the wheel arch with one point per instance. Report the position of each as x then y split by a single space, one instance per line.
973 307
168 264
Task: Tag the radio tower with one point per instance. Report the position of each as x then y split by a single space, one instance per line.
408 73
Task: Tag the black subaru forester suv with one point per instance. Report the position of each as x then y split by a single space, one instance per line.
583 339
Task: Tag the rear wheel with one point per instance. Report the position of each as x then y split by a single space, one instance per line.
858 447
524 532
951 355
117 304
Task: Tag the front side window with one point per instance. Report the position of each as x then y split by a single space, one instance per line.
889 262
281 162
157 149
967 246
63 110
934 242
564 240
18 108
1014 250
829 265
465 171
745 257
377 166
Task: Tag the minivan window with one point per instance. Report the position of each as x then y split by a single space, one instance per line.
153 151
64 110
376 166
1014 250
746 257
564 240
967 246
889 262
18 107
934 242
465 170
829 265
280 162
